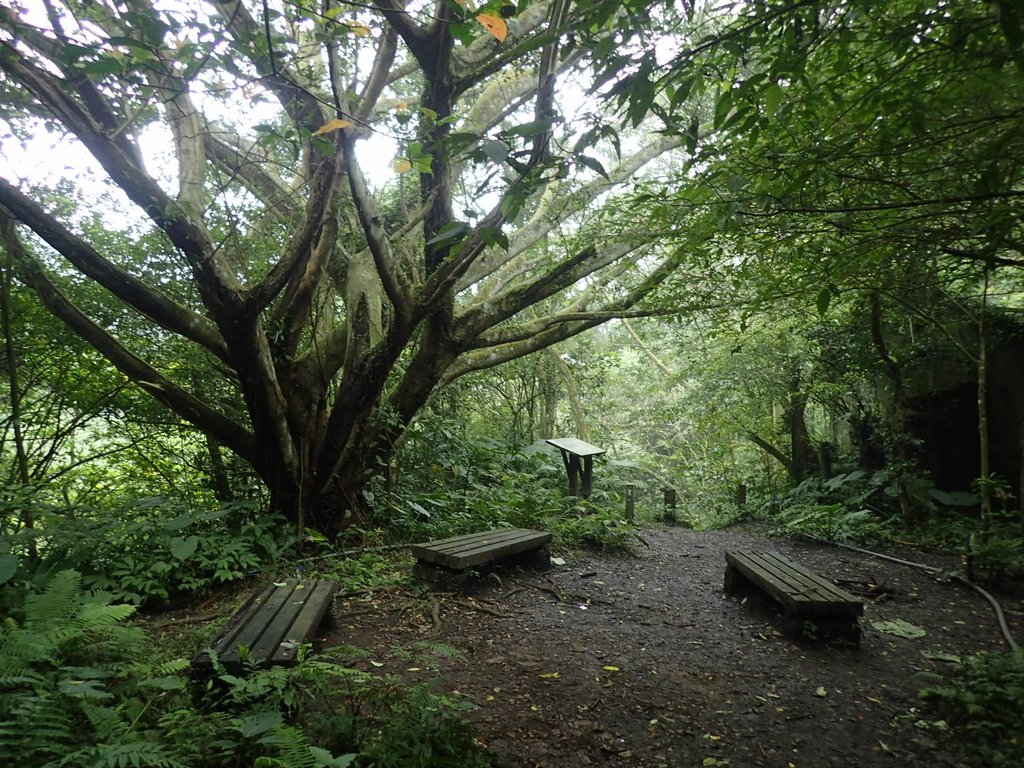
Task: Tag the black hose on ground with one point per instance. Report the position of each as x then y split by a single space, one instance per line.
1000 616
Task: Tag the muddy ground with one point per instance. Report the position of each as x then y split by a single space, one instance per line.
644 661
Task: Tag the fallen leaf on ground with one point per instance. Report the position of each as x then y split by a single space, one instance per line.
899 628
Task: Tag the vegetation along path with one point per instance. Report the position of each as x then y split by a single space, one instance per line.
645 662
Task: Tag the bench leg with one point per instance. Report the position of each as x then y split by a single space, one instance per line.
735 582
832 630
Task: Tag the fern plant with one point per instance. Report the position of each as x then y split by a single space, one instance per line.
76 691
59 670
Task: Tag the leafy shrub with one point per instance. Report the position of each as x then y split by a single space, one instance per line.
984 704
833 522
598 530
76 690
485 485
157 550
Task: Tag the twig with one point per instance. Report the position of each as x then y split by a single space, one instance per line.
480 608
186 620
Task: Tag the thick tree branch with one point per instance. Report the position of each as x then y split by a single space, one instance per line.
560 206
150 302
170 394
219 285
559 328
587 261
373 228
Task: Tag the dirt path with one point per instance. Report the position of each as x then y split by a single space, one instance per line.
645 662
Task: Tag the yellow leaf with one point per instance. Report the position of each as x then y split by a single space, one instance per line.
333 125
534 708
401 165
549 676
610 669
490 698
359 29
495 26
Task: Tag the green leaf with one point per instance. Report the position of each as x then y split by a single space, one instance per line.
184 548
772 99
823 300
737 182
530 129
8 567
259 723
899 628
592 164
496 151
450 231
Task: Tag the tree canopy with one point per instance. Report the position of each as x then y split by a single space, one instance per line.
257 284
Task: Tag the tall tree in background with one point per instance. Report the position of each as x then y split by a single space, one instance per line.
320 315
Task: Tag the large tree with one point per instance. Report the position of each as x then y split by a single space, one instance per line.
321 314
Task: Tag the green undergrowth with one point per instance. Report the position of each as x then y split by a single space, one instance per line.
79 687
154 552
982 703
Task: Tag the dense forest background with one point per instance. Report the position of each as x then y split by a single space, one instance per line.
286 278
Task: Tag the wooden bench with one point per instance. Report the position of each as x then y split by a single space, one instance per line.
461 552
811 606
269 628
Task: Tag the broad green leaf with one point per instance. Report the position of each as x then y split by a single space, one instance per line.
8 567
259 723
592 164
184 548
772 99
532 128
451 231
496 151
823 300
899 628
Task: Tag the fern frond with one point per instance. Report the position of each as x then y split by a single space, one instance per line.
291 746
57 603
35 728
141 754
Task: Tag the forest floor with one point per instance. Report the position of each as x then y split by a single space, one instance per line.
644 661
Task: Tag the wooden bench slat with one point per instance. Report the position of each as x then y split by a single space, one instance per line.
461 552
795 585
252 630
805 596
457 542
239 620
272 624
496 543
309 618
277 627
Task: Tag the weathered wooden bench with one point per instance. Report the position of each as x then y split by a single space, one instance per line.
461 552
811 606
269 628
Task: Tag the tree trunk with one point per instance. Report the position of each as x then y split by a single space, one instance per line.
984 457
27 519
572 393
549 403
899 409
803 462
